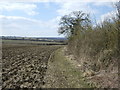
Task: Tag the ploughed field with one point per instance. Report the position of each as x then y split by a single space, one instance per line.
24 66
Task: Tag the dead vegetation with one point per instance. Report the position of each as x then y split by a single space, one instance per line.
63 73
95 47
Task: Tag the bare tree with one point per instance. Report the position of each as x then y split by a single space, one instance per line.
118 9
70 24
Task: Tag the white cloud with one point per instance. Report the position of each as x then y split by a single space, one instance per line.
27 26
2 17
13 25
68 7
59 0
26 8
75 5
108 15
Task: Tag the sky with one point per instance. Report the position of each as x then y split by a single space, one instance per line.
40 18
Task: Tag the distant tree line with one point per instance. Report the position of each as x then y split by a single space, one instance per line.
59 40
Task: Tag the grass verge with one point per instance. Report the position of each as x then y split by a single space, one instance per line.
62 73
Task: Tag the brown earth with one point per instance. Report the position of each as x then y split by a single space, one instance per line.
45 66
24 66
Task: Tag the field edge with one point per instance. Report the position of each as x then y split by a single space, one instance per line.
61 73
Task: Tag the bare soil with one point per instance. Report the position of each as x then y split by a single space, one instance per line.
24 66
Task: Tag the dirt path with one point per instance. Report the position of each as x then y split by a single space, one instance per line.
62 73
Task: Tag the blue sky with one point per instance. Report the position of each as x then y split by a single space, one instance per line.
40 19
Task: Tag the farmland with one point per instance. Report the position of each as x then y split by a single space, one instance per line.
25 65
31 42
